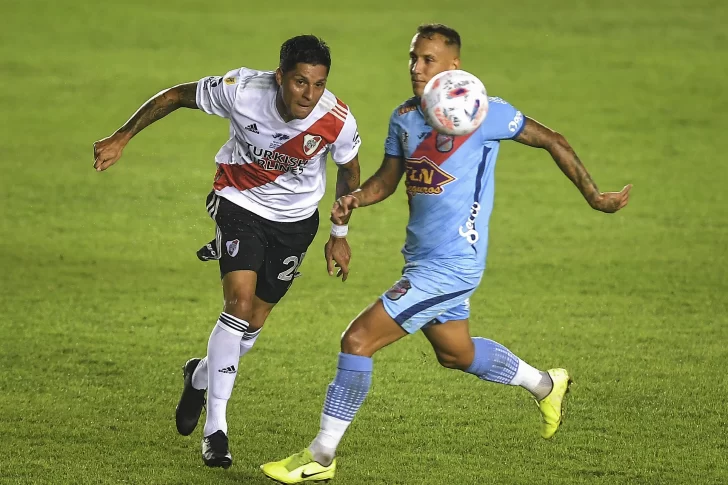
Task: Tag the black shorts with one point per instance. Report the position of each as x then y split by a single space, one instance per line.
274 250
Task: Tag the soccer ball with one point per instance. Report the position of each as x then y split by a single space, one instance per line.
454 103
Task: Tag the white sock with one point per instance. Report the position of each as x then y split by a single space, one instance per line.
223 355
323 447
248 340
199 376
216 416
533 380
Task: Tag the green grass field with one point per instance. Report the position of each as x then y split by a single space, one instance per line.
102 299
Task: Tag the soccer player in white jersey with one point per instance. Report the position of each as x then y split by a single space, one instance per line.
449 184
270 178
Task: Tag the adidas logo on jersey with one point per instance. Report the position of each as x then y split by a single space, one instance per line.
253 128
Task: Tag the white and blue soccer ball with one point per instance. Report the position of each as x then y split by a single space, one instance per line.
454 103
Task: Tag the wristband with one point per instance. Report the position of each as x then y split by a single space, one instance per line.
339 231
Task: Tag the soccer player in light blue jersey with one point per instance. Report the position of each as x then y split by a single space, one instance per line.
450 183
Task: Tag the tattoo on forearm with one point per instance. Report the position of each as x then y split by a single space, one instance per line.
160 106
383 183
347 181
537 135
569 163
372 190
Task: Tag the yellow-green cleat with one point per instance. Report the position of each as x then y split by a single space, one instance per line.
299 468
552 405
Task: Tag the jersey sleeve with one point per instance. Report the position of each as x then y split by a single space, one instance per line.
392 146
216 94
346 146
503 121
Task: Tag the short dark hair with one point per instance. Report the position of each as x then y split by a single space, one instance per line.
451 36
307 49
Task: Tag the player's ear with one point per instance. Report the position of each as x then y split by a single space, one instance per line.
456 63
279 77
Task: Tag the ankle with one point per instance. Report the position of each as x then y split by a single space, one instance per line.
544 387
322 455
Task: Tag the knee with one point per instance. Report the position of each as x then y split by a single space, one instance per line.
356 343
240 306
450 361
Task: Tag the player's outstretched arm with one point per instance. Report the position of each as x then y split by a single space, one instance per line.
383 183
537 135
108 150
377 188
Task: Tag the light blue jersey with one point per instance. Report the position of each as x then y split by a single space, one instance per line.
450 187
449 181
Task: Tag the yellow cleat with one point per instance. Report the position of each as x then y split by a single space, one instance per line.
299 468
552 405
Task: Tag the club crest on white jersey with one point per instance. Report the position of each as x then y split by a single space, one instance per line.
311 144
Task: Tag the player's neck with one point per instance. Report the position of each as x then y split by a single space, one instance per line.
281 108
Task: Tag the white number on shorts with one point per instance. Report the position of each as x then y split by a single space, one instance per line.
292 271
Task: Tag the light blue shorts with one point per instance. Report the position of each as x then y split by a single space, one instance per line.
431 292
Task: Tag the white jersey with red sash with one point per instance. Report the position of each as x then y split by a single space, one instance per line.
269 167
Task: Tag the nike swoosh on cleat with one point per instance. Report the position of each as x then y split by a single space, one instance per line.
309 475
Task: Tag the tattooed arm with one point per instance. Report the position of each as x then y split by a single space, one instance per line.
337 251
347 181
348 197
537 135
377 188
108 150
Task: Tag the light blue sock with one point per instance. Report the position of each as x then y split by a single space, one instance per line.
350 386
493 362
343 399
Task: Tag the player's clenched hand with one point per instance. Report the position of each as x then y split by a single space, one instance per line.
338 255
107 151
612 201
342 209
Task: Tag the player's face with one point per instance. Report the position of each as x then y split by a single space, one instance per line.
301 89
429 57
